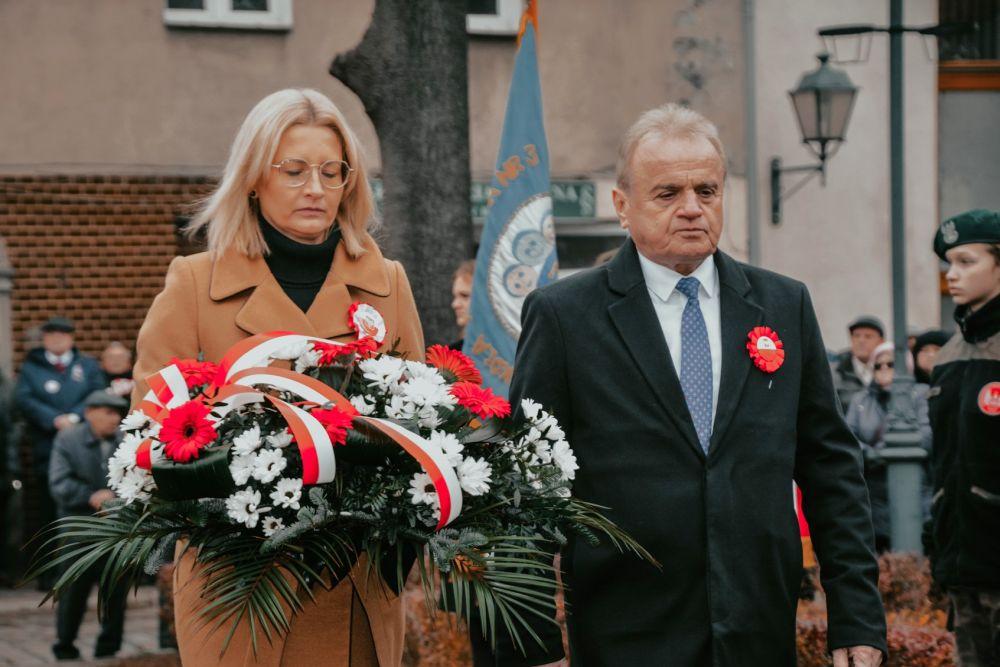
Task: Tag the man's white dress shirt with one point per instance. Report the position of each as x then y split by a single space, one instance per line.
669 306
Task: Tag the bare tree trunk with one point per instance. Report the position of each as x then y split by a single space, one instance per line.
411 72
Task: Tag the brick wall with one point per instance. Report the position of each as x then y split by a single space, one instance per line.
92 248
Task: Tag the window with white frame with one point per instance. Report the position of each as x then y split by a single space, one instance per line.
238 14
493 17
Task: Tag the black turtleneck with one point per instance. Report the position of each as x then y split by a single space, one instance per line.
300 268
980 325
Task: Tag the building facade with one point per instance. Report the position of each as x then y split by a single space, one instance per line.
120 114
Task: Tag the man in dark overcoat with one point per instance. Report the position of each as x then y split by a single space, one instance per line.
78 480
694 391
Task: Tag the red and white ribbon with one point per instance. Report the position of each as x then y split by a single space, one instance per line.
244 367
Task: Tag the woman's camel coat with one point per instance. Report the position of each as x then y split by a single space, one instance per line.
205 308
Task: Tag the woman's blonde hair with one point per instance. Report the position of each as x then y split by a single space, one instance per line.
227 215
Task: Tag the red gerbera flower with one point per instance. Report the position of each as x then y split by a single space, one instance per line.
480 400
337 421
455 366
196 373
186 431
330 353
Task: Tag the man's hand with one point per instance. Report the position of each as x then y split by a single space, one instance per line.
62 421
857 656
98 498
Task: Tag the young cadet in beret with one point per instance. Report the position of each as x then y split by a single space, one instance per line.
964 406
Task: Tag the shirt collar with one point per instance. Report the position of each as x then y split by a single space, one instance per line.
65 358
662 281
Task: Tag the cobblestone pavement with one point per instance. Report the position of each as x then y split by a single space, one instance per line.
27 631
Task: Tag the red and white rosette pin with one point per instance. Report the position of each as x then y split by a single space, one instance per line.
989 399
366 321
766 349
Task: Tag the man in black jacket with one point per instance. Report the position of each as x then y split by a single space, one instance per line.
53 382
78 480
694 390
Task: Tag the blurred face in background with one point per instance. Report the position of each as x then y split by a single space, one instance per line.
116 359
103 421
304 213
461 295
57 342
863 341
973 275
884 371
926 356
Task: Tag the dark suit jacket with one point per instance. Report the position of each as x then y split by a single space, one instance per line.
78 468
723 526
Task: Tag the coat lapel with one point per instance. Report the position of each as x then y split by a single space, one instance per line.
739 315
634 317
268 308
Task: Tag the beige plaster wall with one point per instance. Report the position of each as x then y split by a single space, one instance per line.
836 238
104 85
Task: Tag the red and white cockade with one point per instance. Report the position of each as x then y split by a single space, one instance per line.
766 349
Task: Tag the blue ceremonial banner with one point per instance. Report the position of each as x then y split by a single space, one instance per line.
517 251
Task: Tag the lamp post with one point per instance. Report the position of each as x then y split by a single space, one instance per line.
823 101
902 454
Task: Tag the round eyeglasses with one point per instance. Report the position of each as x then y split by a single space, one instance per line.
294 172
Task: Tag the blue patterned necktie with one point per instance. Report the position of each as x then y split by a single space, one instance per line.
696 362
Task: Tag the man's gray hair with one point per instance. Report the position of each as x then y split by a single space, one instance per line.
667 120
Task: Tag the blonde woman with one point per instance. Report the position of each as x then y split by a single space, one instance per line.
288 249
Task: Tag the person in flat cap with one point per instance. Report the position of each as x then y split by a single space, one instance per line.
53 383
78 480
964 408
851 369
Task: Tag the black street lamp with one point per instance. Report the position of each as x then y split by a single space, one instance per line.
823 101
902 453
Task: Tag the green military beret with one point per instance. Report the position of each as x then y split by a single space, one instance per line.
976 226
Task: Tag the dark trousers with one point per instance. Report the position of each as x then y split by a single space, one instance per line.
72 606
976 616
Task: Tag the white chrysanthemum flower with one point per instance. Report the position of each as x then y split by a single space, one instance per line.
271 524
306 360
555 433
279 439
134 421
422 391
244 507
530 408
564 457
135 484
399 408
154 430
422 491
533 435
362 405
448 444
382 373
474 476
268 464
248 441
123 459
241 468
419 371
287 493
291 351
428 417
543 450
